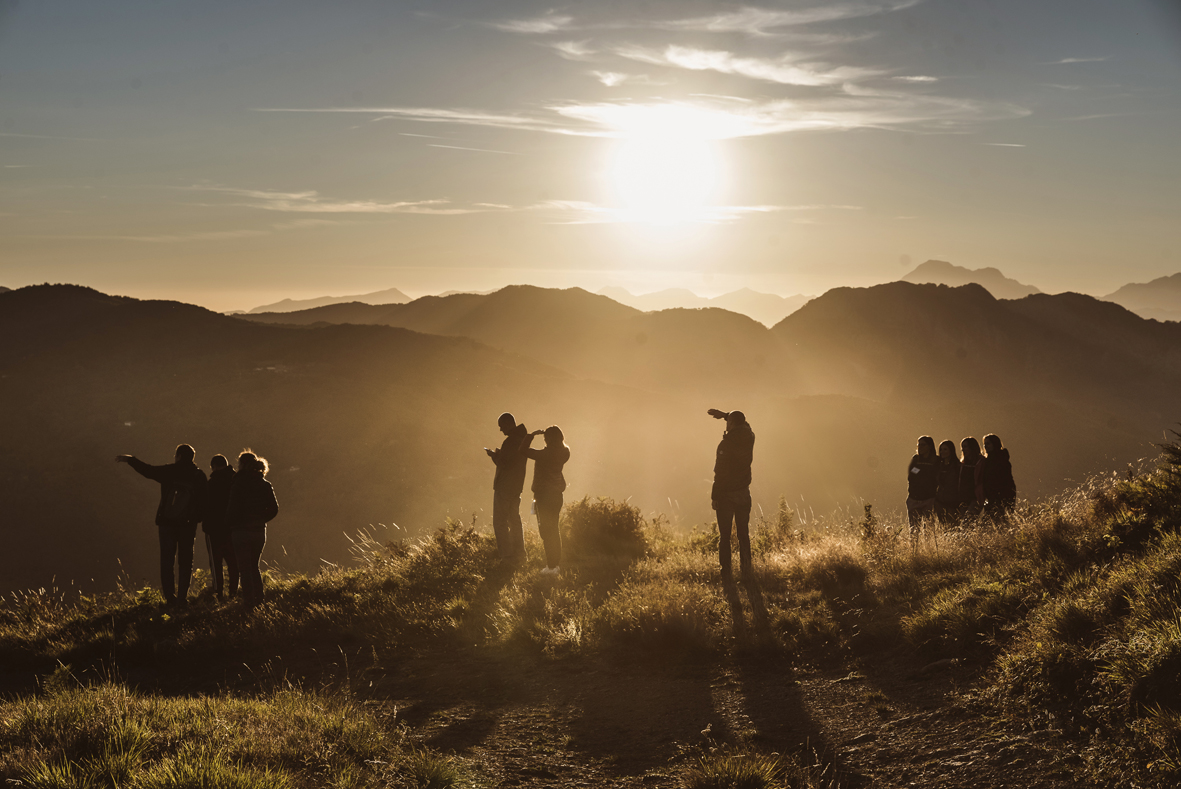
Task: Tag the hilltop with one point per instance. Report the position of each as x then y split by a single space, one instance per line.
388 296
1159 299
940 272
766 308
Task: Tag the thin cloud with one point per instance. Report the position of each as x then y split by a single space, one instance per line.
614 79
578 212
311 202
1077 60
915 78
546 23
478 150
766 22
436 115
574 50
783 70
1005 144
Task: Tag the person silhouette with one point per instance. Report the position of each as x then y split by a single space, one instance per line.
252 504
921 485
995 475
218 540
548 486
182 500
730 495
971 494
947 484
507 486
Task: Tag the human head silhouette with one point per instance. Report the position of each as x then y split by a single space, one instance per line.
970 447
992 444
926 446
218 461
185 454
947 450
506 423
554 437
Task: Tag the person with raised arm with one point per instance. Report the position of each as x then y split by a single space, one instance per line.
548 486
182 501
731 489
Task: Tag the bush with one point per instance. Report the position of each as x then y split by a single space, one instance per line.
603 527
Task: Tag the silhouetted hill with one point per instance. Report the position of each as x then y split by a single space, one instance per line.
374 424
389 296
940 272
923 343
1159 299
710 351
766 308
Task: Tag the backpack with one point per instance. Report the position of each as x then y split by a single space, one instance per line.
178 502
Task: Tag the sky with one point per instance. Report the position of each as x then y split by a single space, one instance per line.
232 154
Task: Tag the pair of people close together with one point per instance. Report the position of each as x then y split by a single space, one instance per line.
233 508
949 488
548 486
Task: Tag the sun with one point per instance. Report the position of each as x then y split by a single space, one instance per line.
664 170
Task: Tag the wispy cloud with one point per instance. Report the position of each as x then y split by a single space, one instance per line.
1005 144
915 78
311 202
574 50
478 150
785 70
437 115
578 212
1076 60
765 21
749 20
546 23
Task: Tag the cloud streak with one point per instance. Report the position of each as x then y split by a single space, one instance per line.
783 70
312 203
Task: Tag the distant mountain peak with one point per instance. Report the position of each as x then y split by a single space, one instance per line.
941 272
388 296
1159 299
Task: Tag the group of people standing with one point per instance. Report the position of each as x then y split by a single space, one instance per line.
511 459
233 508
948 488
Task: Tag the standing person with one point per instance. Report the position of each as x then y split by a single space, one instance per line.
507 486
731 489
182 494
995 476
947 484
971 494
548 486
218 541
922 485
252 504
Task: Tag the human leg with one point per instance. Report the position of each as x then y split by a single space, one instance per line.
549 510
231 559
167 555
742 528
186 537
215 557
725 519
248 545
506 523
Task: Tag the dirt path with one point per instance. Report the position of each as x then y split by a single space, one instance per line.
608 723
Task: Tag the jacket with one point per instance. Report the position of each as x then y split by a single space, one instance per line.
995 477
510 462
182 491
217 501
547 469
947 481
970 490
252 501
732 463
921 480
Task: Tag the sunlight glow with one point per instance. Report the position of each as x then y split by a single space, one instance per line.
665 169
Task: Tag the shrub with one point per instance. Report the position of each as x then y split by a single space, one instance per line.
604 527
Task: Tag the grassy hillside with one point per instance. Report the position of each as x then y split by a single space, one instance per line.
1065 620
